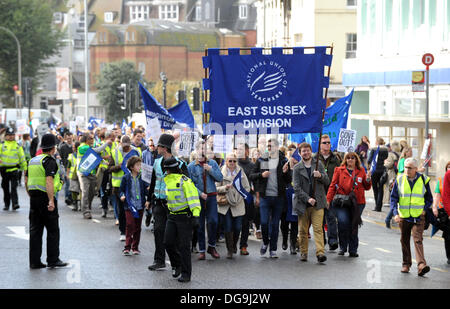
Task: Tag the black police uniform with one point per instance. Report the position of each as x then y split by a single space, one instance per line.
41 217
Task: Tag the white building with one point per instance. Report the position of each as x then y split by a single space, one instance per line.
392 37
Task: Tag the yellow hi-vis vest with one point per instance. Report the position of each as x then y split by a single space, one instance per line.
107 152
36 175
182 195
411 202
12 156
72 158
117 155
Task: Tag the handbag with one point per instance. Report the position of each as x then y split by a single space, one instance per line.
343 200
222 199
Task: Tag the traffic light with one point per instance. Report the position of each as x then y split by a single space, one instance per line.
28 92
181 96
196 98
122 96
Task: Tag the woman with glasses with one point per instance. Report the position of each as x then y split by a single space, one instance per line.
350 176
231 206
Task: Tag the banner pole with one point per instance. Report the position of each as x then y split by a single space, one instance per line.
321 127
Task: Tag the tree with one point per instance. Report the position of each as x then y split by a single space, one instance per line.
31 22
111 77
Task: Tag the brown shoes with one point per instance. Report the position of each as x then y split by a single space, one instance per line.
405 269
423 269
213 252
202 256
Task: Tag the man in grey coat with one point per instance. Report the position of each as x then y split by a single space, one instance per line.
309 205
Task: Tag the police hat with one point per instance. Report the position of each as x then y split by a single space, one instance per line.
48 141
166 140
10 131
170 163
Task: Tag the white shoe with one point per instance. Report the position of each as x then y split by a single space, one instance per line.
123 238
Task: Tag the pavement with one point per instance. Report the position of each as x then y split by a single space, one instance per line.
93 249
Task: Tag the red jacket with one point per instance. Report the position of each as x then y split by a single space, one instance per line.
445 195
342 183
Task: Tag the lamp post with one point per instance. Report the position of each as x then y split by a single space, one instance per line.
19 60
163 77
86 58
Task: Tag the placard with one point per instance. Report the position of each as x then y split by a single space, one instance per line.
146 172
89 161
188 140
223 143
153 129
347 140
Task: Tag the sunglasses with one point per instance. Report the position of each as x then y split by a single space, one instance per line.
326 143
230 161
410 167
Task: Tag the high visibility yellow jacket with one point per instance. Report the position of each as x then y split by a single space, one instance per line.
182 195
117 156
12 156
72 159
37 178
411 202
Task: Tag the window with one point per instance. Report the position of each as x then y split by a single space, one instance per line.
350 51
243 11
141 67
109 17
207 11
432 12
198 13
418 13
364 16
139 12
445 109
388 14
405 14
352 3
168 12
57 18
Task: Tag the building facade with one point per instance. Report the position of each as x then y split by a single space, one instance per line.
288 23
392 37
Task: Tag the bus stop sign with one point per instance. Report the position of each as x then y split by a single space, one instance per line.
428 59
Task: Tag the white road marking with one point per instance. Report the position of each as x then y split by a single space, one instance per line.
19 232
363 243
96 221
383 250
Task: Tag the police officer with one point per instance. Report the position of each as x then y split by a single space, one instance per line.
157 196
12 162
184 209
42 184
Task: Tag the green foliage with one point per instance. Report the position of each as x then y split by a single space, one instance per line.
31 22
111 76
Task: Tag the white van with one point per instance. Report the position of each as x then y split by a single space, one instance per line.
9 116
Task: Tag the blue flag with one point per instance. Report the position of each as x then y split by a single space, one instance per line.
94 122
373 166
237 184
336 117
296 155
154 109
89 162
125 160
267 91
182 114
124 126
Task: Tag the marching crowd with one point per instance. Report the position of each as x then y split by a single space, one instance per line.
194 202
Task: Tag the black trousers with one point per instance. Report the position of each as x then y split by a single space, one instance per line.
246 220
377 189
446 237
160 213
10 192
39 218
105 191
288 227
122 218
177 240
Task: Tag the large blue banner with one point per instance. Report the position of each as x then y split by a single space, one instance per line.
279 90
154 109
336 117
89 162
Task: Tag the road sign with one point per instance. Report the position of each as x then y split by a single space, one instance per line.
428 59
418 81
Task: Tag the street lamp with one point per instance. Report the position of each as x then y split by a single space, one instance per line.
163 77
19 59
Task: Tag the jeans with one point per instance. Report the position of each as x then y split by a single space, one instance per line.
232 224
347 240
115 206
246 221
332 232
67 193
389 215
270 209
210 215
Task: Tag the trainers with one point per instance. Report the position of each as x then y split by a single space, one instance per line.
333 247
15 207
176 271
122 238
388 224
263 249
244 251
303 257
273 255
184 279
321 258
117 222
353 254
157 266
341 252
126 252
135 252
258 234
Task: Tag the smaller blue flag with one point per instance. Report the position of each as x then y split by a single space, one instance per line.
89 162
296 155
182 114
125 160
373 166
124 126
237 184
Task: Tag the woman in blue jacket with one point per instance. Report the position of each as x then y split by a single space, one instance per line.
133 194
